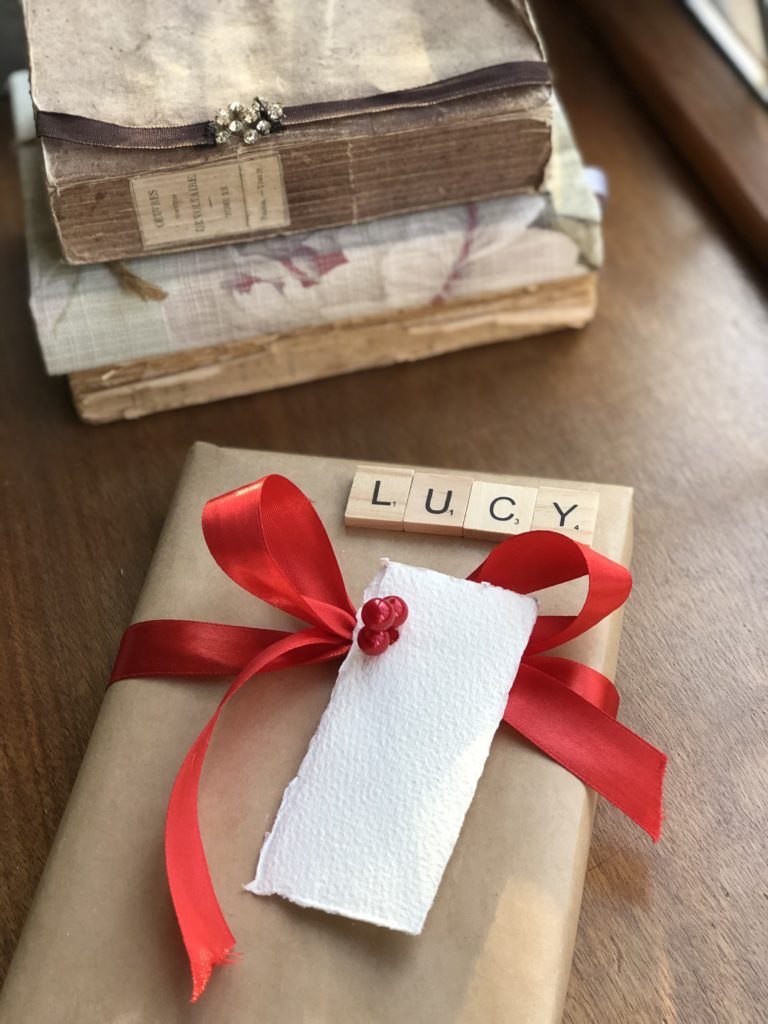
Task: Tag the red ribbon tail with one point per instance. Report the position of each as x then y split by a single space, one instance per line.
206 936
590 744
202 969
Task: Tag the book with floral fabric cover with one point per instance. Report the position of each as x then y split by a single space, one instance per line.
240 121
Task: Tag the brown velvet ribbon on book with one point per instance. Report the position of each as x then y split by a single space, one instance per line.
91 132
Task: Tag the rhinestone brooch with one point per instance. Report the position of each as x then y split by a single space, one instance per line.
240 122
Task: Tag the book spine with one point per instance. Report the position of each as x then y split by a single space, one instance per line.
284 187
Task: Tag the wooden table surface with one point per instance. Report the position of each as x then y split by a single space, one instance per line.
665 391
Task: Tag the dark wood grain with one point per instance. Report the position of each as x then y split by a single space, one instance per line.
666 391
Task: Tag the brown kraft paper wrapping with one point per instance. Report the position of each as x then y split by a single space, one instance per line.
101 943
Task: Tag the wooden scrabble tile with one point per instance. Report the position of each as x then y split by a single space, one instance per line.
499 510
378 497
437 503
567 511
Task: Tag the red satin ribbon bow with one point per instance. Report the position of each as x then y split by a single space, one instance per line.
268 538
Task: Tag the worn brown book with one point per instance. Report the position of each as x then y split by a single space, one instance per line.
101 943
242 122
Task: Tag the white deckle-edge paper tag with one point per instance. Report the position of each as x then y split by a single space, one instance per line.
368 825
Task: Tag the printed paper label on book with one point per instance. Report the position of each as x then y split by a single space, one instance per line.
207 203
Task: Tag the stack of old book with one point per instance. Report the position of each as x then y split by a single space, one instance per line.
402 184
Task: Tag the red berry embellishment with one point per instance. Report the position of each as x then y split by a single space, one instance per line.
381 616
373 641
399 607
378 613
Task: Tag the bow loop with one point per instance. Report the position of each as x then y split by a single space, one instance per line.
587 740
269 539
541 559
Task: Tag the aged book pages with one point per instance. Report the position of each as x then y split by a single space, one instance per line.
101 943
142 387
110 204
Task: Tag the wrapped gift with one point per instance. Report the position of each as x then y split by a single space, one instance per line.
495 942
246 121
